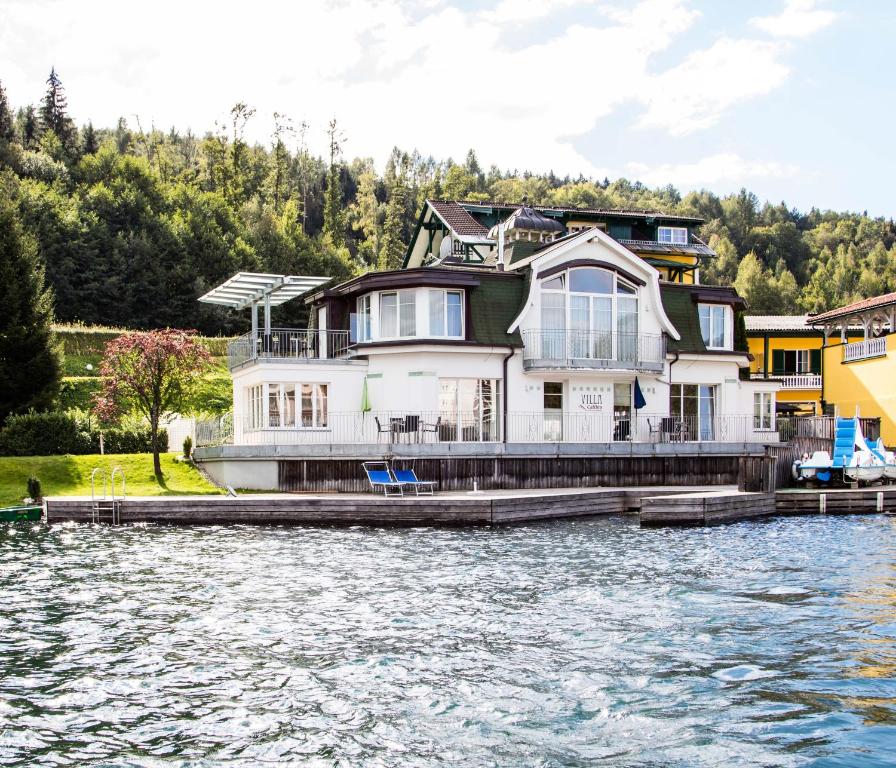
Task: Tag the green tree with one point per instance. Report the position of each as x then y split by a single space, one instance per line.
89 141
334 224
394 246
723 269
53 112
7 130
29 360
367 219
757 286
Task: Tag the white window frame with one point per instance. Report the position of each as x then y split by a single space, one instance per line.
724 311
364 308
443 334
675 236
320 404
398 314
764 411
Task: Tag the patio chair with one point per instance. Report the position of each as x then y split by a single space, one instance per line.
409 477
381 430
431 428
655 430
379 476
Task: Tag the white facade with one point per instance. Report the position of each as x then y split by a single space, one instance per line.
592 323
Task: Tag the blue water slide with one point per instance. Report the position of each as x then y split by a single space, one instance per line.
844 442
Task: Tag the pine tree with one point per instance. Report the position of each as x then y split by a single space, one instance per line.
334 225
7 129
89 141
393 246
53 111
29 360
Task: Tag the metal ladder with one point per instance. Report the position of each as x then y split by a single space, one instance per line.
101 505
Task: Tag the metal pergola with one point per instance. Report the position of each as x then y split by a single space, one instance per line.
251 289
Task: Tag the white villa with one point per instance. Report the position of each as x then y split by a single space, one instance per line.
509 328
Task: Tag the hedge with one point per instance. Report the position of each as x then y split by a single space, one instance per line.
84 340
56 433
76 392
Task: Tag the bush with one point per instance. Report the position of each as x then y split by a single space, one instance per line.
76 393
44 434
188 446
128 439
56 433
35 492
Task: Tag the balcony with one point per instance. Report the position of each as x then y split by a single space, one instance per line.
863 350
286 344
569 349
802 381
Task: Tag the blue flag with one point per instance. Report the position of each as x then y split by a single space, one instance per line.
640 402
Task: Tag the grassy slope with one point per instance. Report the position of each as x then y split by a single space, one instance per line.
70 475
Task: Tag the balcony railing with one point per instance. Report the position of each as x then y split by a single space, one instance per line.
803 381
862 350
593 349
287 344
487 426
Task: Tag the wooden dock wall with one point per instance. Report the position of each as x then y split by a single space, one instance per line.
518 472
836 501
705 508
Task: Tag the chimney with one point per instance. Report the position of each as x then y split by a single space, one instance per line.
500 266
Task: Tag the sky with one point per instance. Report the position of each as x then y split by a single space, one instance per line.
793 99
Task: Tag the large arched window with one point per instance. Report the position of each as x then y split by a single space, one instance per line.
589 313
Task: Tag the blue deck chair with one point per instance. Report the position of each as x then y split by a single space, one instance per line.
379 476
409 477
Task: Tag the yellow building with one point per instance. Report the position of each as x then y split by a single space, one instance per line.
784 347
861 375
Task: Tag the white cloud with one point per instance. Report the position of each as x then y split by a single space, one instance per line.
800 18
695 94
428 75
714 169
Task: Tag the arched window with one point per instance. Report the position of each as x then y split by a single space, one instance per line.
589 313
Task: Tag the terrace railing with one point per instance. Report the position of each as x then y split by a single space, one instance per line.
288 344
862 350
357 428
803 381
593 349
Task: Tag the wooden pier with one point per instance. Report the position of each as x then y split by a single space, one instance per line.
656 505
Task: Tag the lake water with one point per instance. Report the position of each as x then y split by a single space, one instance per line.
563 644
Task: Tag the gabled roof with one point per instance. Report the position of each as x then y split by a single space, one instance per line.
775 322
457 219
571 210
680 301
877 302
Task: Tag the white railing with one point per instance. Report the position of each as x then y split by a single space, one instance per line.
287 344
593 349
803 381
862 350
356 428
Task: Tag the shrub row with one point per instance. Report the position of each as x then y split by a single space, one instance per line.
77 392
55 433
84 340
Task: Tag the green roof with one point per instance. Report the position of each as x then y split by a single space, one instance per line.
681 309
520 249
494 305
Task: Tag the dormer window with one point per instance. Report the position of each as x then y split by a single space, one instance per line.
715 326
672 235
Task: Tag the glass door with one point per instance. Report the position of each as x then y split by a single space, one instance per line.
622 411
553 411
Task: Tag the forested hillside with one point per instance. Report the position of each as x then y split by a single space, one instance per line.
133 223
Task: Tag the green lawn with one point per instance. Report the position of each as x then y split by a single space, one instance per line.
70 475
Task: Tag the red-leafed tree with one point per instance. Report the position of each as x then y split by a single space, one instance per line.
152 373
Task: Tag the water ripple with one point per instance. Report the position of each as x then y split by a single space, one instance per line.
561 644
